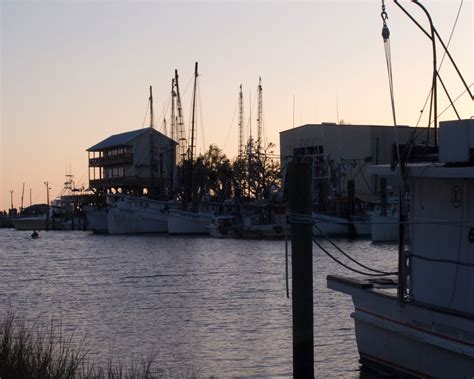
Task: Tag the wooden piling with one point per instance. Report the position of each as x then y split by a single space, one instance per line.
299 202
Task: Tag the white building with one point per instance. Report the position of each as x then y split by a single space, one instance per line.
340 152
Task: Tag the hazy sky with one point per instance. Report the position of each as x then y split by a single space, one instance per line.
75 72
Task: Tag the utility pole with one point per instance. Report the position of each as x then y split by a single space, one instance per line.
30 199
47 202
11 200
299 202
22 196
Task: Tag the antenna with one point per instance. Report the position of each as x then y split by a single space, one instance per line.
151 108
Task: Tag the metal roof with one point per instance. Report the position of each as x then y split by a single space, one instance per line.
119 139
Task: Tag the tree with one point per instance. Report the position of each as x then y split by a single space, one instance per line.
256 174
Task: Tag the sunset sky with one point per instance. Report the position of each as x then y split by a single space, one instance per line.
75 72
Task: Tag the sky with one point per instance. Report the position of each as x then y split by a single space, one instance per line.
76 72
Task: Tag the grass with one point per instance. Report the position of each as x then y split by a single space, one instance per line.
38 352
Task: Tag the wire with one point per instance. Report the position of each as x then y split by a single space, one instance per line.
440 64
146 114
231 124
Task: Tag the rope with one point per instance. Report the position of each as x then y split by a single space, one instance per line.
286 262
298 218
450 261
349 257
343 264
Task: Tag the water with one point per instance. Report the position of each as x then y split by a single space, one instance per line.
211 306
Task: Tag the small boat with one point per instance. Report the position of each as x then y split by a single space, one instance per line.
340 227
221 226
35 234
30 223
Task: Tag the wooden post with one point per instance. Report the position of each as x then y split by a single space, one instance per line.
350 208
299 201
383 196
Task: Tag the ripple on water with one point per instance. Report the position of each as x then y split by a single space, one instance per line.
216 306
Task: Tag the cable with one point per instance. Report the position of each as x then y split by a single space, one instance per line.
298 218
231 125
450 261
343 264
349 257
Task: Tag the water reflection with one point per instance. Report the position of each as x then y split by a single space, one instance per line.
216 306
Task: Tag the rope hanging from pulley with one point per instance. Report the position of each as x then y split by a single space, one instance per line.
388 59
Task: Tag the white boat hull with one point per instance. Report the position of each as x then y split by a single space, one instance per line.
96 219
184 222
136 215
409 337
384 228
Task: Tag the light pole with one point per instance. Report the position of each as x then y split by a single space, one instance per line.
47 202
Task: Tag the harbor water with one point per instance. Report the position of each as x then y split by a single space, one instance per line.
202 305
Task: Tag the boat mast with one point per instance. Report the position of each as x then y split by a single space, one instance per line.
241 122
193 138
181 133
151 190
173 115
250 146
193 114
259 117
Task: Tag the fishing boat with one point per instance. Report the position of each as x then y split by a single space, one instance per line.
96 218
189 222
384 228
421 322
331 226
135 215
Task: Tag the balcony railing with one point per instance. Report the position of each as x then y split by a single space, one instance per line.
111 160
121 181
